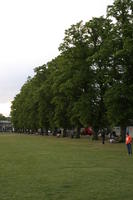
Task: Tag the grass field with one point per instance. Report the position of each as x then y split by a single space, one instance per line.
50 168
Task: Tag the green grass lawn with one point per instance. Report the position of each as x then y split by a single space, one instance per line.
50 168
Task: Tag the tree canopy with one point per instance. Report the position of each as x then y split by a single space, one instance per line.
89 83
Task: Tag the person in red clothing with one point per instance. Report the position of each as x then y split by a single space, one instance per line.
88 131
129 143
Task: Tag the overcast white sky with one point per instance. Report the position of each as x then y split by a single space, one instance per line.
30 34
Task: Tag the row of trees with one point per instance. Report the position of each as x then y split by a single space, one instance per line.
2 117
89 83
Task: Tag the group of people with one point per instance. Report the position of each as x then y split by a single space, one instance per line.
128 140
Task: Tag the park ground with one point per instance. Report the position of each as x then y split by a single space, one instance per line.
50 168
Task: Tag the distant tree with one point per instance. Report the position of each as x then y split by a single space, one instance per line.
2 117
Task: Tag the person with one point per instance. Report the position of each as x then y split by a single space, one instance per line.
112 137
129 143
103 136
101 132
90 132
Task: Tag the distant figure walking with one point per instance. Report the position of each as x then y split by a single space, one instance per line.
103 136
129 143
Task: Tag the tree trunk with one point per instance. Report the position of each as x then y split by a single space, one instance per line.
95 134
64 133
78 133
123 133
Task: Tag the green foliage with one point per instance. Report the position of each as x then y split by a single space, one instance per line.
119 98
89 83
2 117
120 112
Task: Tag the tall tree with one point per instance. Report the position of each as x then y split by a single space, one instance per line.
119 95
78 85
99 41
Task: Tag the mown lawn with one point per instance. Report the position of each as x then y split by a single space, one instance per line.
50 168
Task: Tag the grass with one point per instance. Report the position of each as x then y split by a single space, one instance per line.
50 168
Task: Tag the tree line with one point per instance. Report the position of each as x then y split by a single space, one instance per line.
89 83
3 118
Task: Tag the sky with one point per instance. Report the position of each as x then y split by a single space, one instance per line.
30 34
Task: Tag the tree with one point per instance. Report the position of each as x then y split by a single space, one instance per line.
99 41
2 117
79 81
119 95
